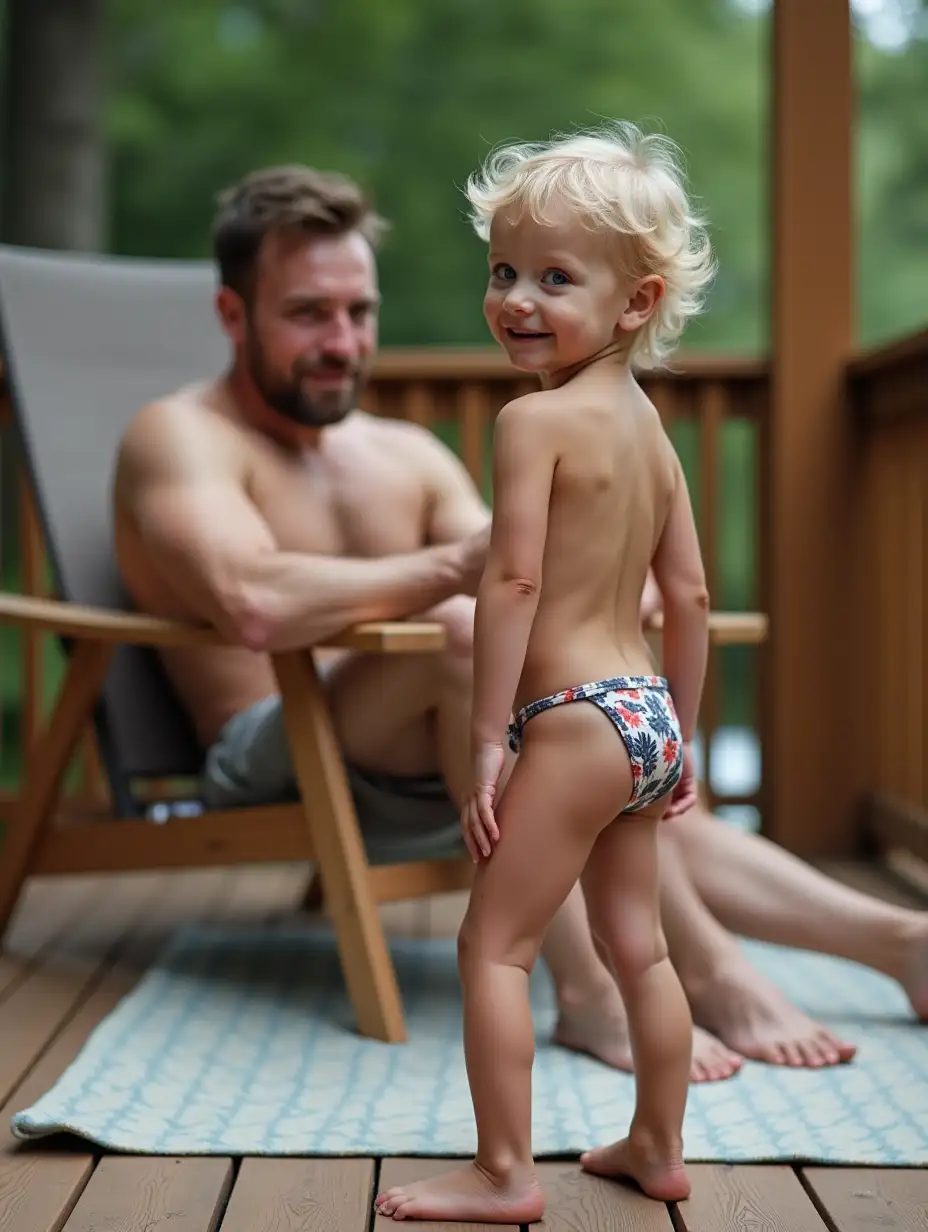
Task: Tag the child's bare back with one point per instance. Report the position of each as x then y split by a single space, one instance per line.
612 488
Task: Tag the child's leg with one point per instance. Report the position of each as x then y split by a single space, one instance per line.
622 887
562 792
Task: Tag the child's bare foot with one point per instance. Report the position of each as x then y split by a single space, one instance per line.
752 1016
660 1174
467 1195
600 1029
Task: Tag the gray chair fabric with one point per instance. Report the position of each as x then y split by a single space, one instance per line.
86 342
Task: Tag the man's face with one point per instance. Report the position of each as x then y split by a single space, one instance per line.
311 328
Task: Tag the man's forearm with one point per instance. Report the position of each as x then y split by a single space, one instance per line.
288 600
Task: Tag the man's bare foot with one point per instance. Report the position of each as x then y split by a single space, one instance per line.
467 1195
751 1015
659 1174
601 1031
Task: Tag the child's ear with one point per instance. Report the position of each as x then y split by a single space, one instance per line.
645 295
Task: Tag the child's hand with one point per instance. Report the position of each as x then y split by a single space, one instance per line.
478 824
686 792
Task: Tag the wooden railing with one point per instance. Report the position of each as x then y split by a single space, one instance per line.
457 393
888 395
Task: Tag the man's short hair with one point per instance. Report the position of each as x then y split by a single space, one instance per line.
290 198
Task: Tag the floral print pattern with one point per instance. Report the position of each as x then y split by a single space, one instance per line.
642 712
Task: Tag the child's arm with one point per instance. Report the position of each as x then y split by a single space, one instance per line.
524 459
679 573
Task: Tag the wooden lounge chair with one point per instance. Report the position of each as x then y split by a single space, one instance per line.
86 342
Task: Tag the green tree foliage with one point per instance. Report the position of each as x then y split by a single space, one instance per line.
892 186
408 95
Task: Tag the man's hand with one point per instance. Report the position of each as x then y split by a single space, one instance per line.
686 792
478 822
472 559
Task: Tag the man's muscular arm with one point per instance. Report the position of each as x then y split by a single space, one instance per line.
209 541
455 509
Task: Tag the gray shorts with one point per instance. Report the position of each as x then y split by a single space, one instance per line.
401 818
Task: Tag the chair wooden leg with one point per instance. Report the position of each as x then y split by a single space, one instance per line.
342 860
313 896
83 679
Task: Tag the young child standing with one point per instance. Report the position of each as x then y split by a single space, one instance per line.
596 262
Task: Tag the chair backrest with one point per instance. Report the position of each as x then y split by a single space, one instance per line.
86 342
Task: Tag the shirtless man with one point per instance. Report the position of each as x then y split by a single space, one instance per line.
259 502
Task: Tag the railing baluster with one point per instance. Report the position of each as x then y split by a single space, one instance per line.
473 412
712 406
915 544
419 404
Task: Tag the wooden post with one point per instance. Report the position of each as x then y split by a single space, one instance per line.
816 667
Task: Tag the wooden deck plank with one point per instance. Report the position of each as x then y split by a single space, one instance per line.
402 1171
134 1194
578 1201
32 931
50 991
302 1195
871 1199
727 1196
41 1182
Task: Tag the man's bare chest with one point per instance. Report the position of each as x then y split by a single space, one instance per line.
371 508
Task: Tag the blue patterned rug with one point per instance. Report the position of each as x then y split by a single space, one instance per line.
241 1042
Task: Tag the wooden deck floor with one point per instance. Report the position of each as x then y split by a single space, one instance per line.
78 945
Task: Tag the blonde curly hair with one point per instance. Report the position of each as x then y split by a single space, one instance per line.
615 179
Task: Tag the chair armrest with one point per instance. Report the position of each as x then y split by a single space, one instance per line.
727 628
135 628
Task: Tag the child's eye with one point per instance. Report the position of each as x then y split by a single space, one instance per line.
557 278
504 272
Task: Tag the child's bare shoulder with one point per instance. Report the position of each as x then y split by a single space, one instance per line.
537 413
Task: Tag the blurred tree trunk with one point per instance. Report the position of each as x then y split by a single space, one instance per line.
53 165
52 172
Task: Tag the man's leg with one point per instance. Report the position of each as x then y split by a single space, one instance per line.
727 996
756 889
589 1018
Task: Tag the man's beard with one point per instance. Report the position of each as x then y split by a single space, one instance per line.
288 397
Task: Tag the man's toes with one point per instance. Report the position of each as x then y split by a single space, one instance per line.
842 1050
388 1202
729 1065
793 1052
773 1054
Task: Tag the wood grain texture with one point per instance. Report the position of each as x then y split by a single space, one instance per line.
749 1197
872 1199
578 1202
153 1194
302 1195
